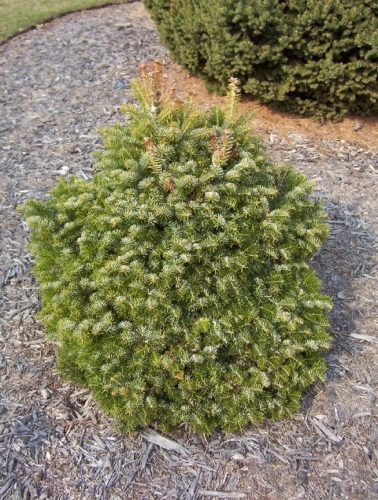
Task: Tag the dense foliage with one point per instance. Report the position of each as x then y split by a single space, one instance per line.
176 281
317 58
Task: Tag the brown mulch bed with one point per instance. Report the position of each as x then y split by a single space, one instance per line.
58 85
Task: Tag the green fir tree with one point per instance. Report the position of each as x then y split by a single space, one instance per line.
176 281
313 57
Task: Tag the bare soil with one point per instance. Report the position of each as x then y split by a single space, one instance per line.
58 85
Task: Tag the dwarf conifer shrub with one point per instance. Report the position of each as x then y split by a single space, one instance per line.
316 58
176 281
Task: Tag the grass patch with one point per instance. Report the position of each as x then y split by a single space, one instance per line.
18 15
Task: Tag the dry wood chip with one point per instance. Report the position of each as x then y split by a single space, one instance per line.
366 338
361 415
364 388
146 456
191 493
168 444
222 494
326 431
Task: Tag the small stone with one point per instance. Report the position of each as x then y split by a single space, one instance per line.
63 170
119 84
44 394
272 138
123 26
237 456
358 126
72 148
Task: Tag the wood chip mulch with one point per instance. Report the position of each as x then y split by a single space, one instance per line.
59 84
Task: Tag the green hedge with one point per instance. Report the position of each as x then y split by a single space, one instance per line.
312 57
176 281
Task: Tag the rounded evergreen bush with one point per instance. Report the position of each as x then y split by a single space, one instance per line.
315 58
176 281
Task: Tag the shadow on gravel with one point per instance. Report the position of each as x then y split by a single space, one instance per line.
346 256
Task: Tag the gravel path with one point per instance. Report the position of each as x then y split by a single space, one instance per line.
59 84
